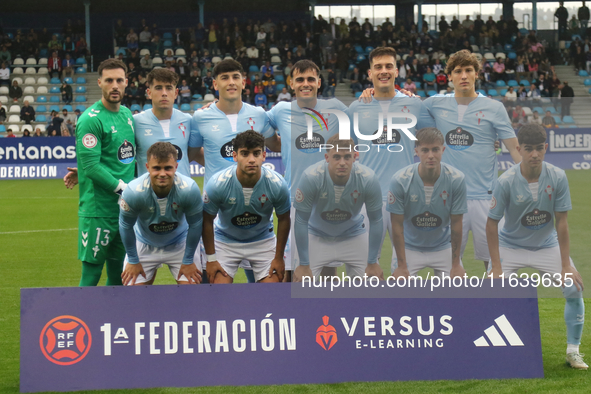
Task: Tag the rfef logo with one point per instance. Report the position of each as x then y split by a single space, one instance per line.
326 335
65 340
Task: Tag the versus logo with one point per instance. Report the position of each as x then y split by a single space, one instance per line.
495 337
326 335
536 219
65 340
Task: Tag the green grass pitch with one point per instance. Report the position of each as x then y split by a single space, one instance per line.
33 254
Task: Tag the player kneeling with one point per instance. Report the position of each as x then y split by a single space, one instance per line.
167 212
426 202
329 227
243 196
529 194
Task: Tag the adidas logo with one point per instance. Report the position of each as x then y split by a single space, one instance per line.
495 337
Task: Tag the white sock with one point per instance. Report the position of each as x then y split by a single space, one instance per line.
571 348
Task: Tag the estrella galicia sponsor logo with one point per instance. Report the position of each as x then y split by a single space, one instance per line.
336 216
126 152
305 145
536 219
179 153
65 340
383 138
163 227
247 220
227 150
459 139
426 221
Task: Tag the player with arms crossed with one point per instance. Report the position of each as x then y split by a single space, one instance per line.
243 197
329 226
385 156
471 123
426 201
291 120
105 151
528 195
167 211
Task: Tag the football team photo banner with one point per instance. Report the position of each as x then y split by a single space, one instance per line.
244 334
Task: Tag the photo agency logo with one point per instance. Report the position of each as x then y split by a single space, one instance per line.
387 135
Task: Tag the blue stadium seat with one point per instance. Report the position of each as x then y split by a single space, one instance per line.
185 107
81 89
55 81
431 93
135 107
568 119
368 49
41 108
198 97
280 87
358 94
43 52
524 82
351 67
40 118
54 99
493 92
2 128
481 91
360 58
501 83
253 69
512 55
557 119
167 36
252 77
539 109
503 92
551 109
508 47
147 107
583 73
54 89
68 108
121 51
587 82
69 80
41 99
358 49
167 44
418 84
80 70
512 83
55 108
175 106
589 91
421 93
81 61
80 99
81 80
81 108
575 36
279 78
524 32
197 106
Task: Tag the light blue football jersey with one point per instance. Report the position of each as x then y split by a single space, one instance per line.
241 220
333 215
215 133
297 151
161 221
383 156
427 226
470 139
529 223
148 131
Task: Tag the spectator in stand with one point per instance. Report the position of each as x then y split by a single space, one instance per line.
429 79
260 100
522 94
533 95
270 91
66 92
54 64
132 46
4 75
146 63
81 47
67 126
284 95
548 120
181 69
132 72
2 113
195 82
145 38
535 118
573 25
184 93
331 84
437 66
583 14
131 36
157 45
511 95
15 92
567 96
533 68
247 96
518 117
27 113
54 125
443 25
68 47
68 66
441 81
208 82
544 86
499 70
355 79
38 132
212 39
410 86
9 134
5 55
26 133
562 15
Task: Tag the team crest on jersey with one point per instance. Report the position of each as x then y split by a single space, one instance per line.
299 196
205 197
263 199
183 128
405 110
493 203
251 123
459 139
549 189
480 116
175 207
414 198
444 195
89 141
355 196
391 198
124 205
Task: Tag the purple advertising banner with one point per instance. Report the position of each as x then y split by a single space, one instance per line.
244 334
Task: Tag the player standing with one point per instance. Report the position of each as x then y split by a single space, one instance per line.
243 197
471 123
426 201
532 196
329 226
167 211
105 150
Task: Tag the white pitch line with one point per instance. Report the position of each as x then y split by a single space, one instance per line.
39 231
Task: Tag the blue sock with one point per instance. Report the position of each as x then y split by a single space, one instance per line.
574 315
249 275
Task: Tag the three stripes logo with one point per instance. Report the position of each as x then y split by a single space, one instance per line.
495 338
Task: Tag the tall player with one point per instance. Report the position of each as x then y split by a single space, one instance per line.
532 196
291 122
105 150
329 226
426 201
386 156
243 197
167 211
471 124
